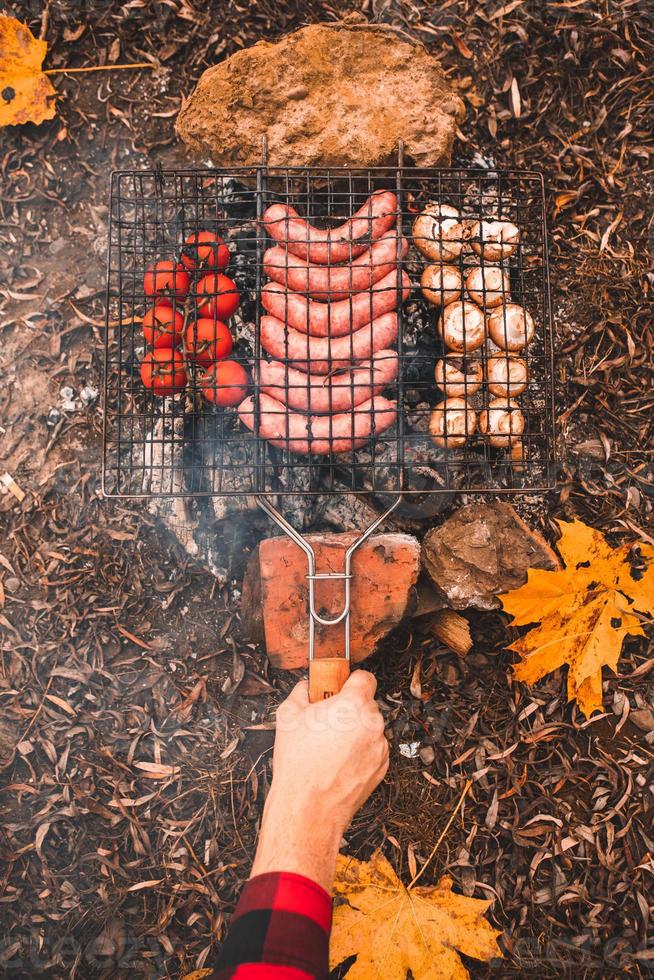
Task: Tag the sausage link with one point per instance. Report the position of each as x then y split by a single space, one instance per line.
331 245
320 395
324 283
320 355
334 319
318 435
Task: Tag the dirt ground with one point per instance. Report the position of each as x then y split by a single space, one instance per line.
136 721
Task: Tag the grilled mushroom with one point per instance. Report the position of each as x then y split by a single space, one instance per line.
507 375
511 327
502 422
441 284
462 327
495 239
459 376
451 423
439 233
487 285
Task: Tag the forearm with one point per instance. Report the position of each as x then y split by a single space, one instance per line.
299 837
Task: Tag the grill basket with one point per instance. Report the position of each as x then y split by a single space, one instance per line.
183 446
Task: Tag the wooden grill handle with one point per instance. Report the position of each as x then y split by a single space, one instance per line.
327 676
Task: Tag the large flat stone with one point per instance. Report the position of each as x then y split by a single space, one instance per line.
325 95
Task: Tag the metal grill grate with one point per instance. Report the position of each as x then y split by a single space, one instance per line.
181 445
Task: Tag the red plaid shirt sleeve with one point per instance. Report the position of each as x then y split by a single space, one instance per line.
279 931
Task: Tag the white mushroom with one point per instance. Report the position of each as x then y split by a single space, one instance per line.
441 284
458 375
451 423
494 239
439 233
488 285
462 327
511 327
507 375
502 422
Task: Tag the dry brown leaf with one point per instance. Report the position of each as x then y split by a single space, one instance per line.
26 94
392 929
584 611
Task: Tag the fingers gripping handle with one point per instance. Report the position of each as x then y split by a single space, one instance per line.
327 675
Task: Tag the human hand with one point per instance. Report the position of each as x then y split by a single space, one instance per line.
328 758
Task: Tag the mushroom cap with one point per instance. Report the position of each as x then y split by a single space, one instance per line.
451 422
502 422
488 285
511 327
506 375
438 232
459 376
495 238
441 284
463 327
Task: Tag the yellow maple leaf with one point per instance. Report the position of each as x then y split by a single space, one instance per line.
26 94
392 929
584 611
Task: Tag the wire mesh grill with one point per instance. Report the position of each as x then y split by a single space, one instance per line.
184 445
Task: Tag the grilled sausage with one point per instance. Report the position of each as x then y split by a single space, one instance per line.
335 282
330 245
334 319
320 355
318 434
320 395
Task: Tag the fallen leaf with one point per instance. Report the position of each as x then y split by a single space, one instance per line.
157 770
461 45
392 929
140 885
584 611
514 98
26 94
197 974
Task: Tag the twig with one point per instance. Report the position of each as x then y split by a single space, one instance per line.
73 71
444 831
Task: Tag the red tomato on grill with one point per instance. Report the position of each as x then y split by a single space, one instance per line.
204 250
218 296
163 326
225 383
167 279
163 371
207 341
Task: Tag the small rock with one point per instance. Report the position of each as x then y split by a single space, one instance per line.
427 754
54 416
481 551
58 245
11 584
67 393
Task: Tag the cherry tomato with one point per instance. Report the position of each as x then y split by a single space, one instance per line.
204 250
163 326
167 278
208 341
217 296
163 372
225 383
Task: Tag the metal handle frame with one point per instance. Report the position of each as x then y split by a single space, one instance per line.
266 505
345 576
